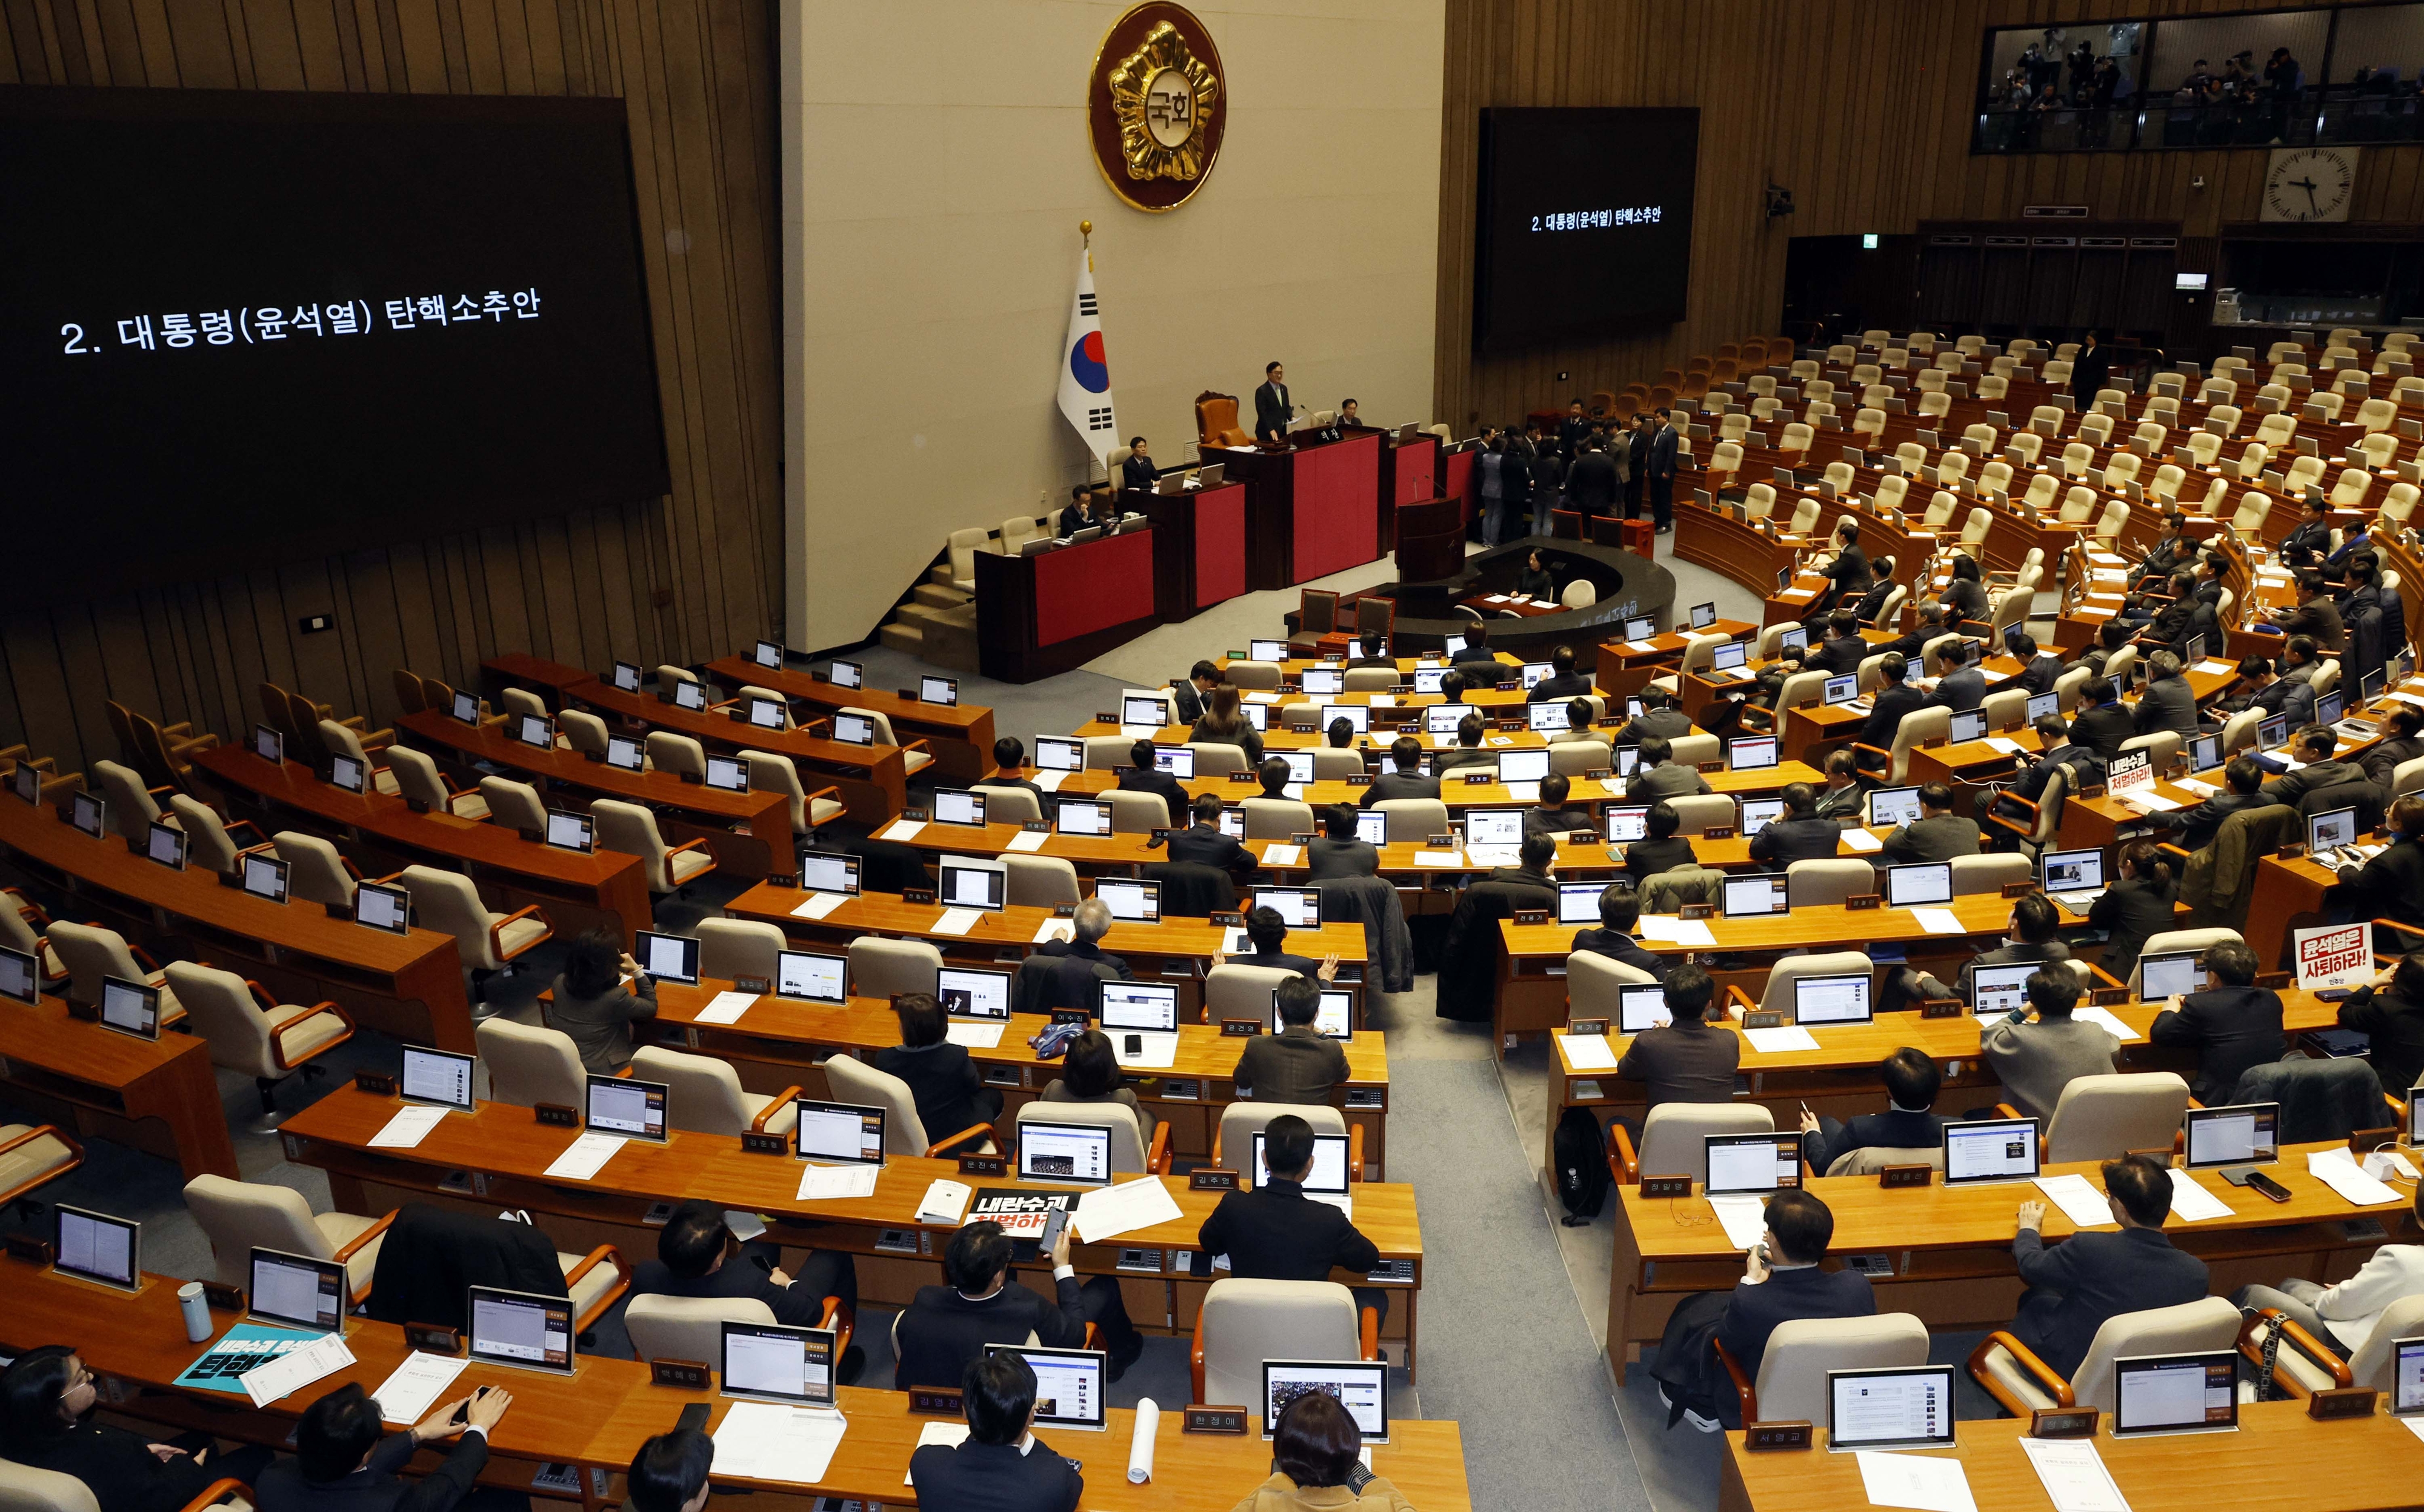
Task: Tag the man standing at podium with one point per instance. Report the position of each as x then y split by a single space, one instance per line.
1271 406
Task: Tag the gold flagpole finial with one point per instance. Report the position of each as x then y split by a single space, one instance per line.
1086 229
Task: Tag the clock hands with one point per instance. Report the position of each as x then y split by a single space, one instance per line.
2307 184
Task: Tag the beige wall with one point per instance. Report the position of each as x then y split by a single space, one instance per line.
936 166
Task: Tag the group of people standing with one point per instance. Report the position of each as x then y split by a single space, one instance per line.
1593 464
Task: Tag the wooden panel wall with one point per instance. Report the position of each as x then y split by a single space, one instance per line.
1862 107
678 578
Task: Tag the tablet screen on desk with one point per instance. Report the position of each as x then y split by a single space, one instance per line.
1258 715
1893 805
1833 999
829 871
1578 901
941 690
1746 1163
625 753
978 884
1842 690
1333 1016
86 812
297 1291
1918 886
167 845
1728 656
634 1109
265 877
1080 816
1055 753
1493 826
1640 1006
1535 672
381 907
2330 829
2040 705
20 976
1233 823
1759 812
1427 680
1968 725
1137 1007
1329 1157
667 957
1130 902
1176 761
571 832
970 994
466 708
1323 682
268 744
1523 766
1144 709
130 1007
1443 719
1371 828
841 1132
727 774
767 654
1547 719
1751 755
2000 989
1069 1385
520 1329
1990 1149
2175 1393
1299 908
1626 823
1892 1407
957 805
1064 1152
1362 1387
626 677
2407 1377
810 978
846 675
1756 897
1358 717
98 1247
534 731
769 1362
1267 650
2172 973
438 1077
2244 1134
853 730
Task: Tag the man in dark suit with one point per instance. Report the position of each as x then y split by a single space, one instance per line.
2167 703
1406 779
1619 911
1553 818
1574 429
1335 852
1895 697
1475 653
1079 513
1659 717
2055 748
1844 649
2039 669
1937 835
946 1325
1780 1282
2089 371
2402 739
1142 776
1686 1059
1083 962
2233 1025
2313 746
1841 800
2174 549
345 1460
1298 1064
1374 647
1912 1081
1267 933
1591 485
2092 1276
1467 752
1276 1232
1563 681
1534 858
1963 687
1797 834
1910 643
1660 466
1847 575
2031 936
1001 1466
2278 691
2314 531
1634 465
1191 694
1272 409
2391 886
1137 471
697 1256
1010 759
1203 844
2198 825
2101 723
1658 776
2315 615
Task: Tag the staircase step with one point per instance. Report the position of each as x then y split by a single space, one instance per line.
917 614
940 572
940 596
900 637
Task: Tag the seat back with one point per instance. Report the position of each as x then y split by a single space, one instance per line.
731 949
1990 873
415 778
1234 990
686 1328
1824 883
90 952
239 1217
447 901
1412 820
1258 677
2164 942
771 772
1276 818
882 969
1242 1120
681 753
2207 1324
701 1092
528 1065
1040 881
1142 813
1009 805
2371 1364
1127 1141
582 730
1918 726
1594 982
1694 812
1330 764
1107 752
132 807
2104 1118
316 873
207 844
516 806
851 1080
23 1488
1868 1159
1674 1135
1221 757
219 1006
1777 993
632 830
1792 1384
1244 1323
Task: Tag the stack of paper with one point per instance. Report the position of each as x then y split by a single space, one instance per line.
1492 855
830 1184
1445 860
1026 841
407 1128
1108 1211
726 1007
1639 647
2338 1170
413 1388
2074 1475
1745 1218
1860 842
956 921
944 1201
769 1442
820 905
1689 933
296 1369
1588 1052
2192 1202
2108 1020
1939 921
973 1035
1056 928
903 829
1776 1041
585 1156
1283 855
2079 1201
1914 1481
950 1435
2008 747
1050 781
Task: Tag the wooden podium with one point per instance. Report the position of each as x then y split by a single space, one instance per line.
1199 547
1310 510
1430 540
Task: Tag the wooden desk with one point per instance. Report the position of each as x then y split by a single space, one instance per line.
1713 539
1626 667
774 1045
959 736
1459 795
385 836
2271 1464
549 680
873 779
129 1090
2288 896
1951 1247
1199 546
507 1152
1059 609
2099 822
749 834
596 1419
409 985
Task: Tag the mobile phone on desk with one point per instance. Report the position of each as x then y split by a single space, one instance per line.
693 1416
2273 1190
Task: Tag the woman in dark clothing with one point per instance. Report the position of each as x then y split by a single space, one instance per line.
48 1397
1223 722
2390 1008
1964 595
2137 906
1091 1074
949 1092
593 1006
1536 578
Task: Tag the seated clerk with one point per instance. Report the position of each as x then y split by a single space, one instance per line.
2233 1025
1203 844
1963 687
1781 1282
1079 513
1475 653
1191 693
1267 931
1657 774
1467 752
1299 1063
2030 936
1844 649
2038 668
698 1257
1937 835
1797 834
1140 776
1660 848
2055 748
1895 697
2240 782
1276 1232
2168 703
1912 1081
1563 681
2390 1010
2075 1287
2343 1316
2036 1060
1336 852
949 1093
1404 778
2314 745
979 1304
1137 471
1553 817
47 1401
1686 1059
1619 912
1841 799
1222 721
1001 1466
1909 645
2137 907
347 1461
2260 688
1659 717
1374 649
2391 886
1010 756
1536 579
2402 739
1082 960
2100 723
669 1474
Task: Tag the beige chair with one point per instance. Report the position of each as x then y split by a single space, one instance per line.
1241 1323
21 926
1412 820
677 754
703 1093
527 1065
520 701
1276 818
904 1133
731 948
446 901
1258 677
1221 757
345 743
417 781
1235 991
771 772
1142 813
133 808
1242 1120
249 1032
915 755
2306 1365
2017 1378
1329 764
90 953
316 873
1109 752
1595 984
1777 997
1130 1156
208 844
1871 1159
23 1488
1040 881
749 694
2104 1118
582 730
2167 942
514 805
882 968
239 1217
1674 1138
632 830
686 1328
1792 1384
31 1156
1988 873
1918 726
1825 882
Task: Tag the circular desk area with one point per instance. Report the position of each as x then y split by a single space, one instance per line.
1627 584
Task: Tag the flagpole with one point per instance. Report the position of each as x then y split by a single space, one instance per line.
1086 230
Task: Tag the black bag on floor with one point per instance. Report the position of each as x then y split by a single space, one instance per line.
1581 1153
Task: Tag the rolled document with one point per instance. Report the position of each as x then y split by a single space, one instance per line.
1148 1423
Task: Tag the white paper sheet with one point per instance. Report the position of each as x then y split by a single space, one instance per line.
408 1127
1691 933
2192 1202
2074 1476
1444 860
2108 1020
1588 1052
1914 1481
903 829
2079 1201
1939 921
296 1369
1283 855
1776 1041
1056 928
956 921
745 1226
1745 1218
1639 647
950 1435
974 1036
1148 1423
413 1388
1050 781
2414 1424
1860 842
2210 665
820 905
769 1442
944 1201
726 1007
2148 801
1026 841
832 1183
2338 1170
1523 792
1493 855
1108 1211
1236 944
2004 745
1440 741
586 1157
1156 1052
2203 790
